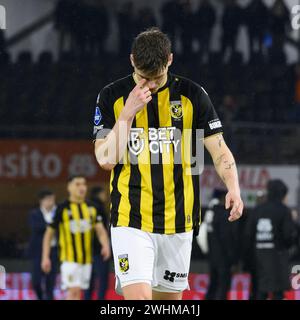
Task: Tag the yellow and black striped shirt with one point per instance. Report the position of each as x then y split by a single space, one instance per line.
150 189
75 224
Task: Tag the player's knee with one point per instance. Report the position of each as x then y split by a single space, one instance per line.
74 294
138 296
138 291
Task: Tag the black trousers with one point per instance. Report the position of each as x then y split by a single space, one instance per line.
220 281
42 283
277 295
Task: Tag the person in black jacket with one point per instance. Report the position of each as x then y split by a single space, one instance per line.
126 26
170 14
269 233
205 19
222 247
231 21
38 220
257 24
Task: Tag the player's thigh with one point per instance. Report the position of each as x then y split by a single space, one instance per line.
173 263
73 293
70 275
85 277
133 252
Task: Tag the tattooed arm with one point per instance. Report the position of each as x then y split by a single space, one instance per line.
226 168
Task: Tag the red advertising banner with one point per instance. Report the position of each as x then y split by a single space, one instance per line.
40 161
19 287
48 160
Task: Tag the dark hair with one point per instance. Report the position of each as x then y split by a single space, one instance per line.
151 50
277 190
44 193
74 176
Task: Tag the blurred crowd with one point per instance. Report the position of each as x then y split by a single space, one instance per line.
48 93
267 89
85 27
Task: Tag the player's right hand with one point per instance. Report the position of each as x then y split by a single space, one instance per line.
137 98
46 265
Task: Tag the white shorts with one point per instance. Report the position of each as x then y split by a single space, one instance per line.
161 260
75 275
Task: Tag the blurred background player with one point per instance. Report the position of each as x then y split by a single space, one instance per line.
75 220
42 283
222 247
100 267
269 233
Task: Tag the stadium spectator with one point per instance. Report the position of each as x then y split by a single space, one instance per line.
187 32
145 19
205 19
170 13
75 220
256 18
125 19
269 233
222 247
100 268
2 43
38 220
98 27
229 109
231 21
294 115
279 23
63 22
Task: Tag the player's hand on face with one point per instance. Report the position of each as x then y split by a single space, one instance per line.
46 265
138 97
105 252
234 201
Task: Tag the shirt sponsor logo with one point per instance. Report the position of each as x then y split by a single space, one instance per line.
98 128
264 230
174 276
215 124
98 116
160 140
80 226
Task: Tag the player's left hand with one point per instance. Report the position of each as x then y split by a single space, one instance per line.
105 252
233 200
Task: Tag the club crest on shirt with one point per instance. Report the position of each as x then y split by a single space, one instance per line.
123 263
176 109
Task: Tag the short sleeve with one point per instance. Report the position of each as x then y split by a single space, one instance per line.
104 118
208 119
57 218
99 217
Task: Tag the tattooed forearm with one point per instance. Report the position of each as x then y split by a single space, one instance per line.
220 139
229 165
219 159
